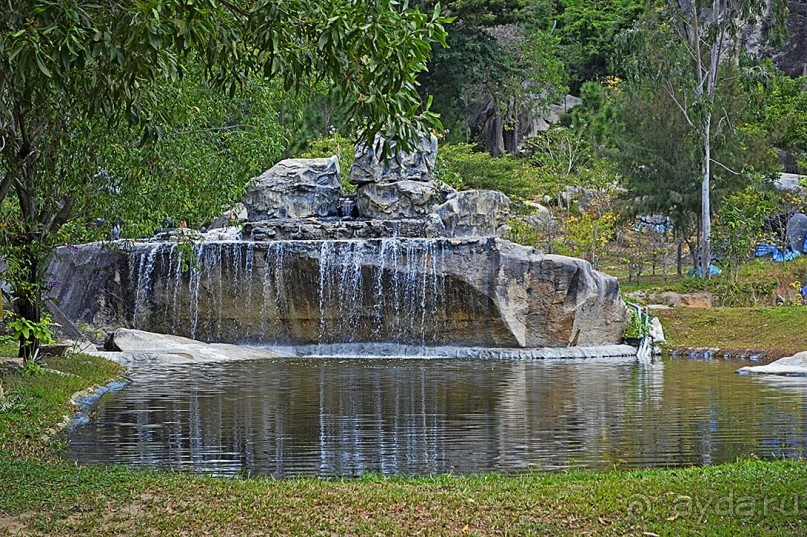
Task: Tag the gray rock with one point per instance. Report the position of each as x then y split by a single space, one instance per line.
416 165
797 231
467 292
795 365
474 213
180 234
229 233
401 199
332 229
175 349
789 182
789 56
230 217
295 188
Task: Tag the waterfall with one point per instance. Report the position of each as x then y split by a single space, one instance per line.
143 277
331 291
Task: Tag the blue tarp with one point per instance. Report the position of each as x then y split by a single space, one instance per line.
776 254
714 270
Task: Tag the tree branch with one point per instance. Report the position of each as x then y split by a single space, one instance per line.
725 167
671 93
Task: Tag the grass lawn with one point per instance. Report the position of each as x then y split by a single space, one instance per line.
778 331
41 494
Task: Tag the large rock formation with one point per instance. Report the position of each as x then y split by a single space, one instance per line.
415 165
400 199
295 188
401 186
474 213
471 292
425 270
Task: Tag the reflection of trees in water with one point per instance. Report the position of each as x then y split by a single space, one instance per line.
424 416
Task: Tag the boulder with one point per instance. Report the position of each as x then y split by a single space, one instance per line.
795 365
401 199
295 188
474 213
229 233
797 232
656 331
167 348
179 234
230 217
789 182
459 291
415 165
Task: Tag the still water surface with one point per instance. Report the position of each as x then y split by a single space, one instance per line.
408 416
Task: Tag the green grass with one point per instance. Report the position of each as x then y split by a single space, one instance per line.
744 498
42 494
8 349
776 331
37 402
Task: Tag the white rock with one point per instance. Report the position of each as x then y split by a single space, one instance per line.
138 345
792 365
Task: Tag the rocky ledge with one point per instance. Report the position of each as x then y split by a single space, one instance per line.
466 292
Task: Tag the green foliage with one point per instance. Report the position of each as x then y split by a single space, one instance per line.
459 166
22 328
688 52
740 224
785 112
597 115
501 52
211 145
521 232
587 29
637 327
587 233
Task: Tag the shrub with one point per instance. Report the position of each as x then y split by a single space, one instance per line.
459 166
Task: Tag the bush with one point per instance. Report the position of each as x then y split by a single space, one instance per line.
459 166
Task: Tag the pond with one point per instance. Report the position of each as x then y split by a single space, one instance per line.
346 417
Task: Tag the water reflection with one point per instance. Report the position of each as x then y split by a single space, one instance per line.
350 416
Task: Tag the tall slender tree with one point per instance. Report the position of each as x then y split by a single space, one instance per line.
708 31
692 53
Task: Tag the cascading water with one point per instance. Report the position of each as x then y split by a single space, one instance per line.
385 290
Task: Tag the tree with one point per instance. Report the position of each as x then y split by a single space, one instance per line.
692 53
586 29
71 71
501 66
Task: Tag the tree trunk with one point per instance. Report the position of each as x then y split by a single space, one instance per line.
706 216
